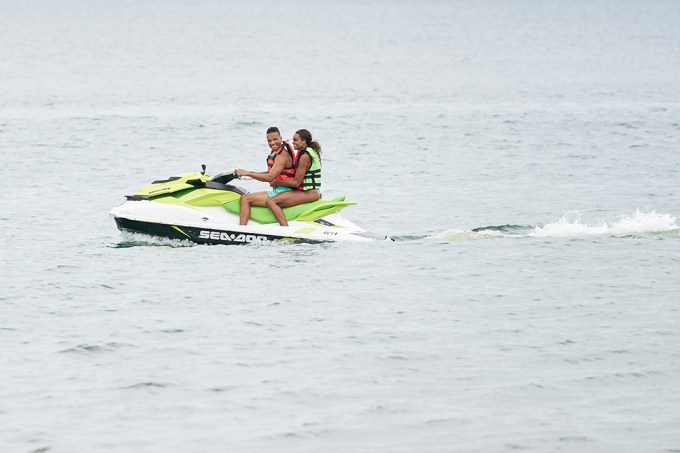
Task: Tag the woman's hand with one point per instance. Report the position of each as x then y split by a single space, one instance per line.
274 183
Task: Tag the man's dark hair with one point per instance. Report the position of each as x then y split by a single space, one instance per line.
273 129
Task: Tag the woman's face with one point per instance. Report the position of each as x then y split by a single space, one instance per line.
299 143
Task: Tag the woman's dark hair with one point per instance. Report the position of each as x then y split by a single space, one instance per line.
307 136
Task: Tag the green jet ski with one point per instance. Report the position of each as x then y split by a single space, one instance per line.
198 208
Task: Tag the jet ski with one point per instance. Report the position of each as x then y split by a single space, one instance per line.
205 210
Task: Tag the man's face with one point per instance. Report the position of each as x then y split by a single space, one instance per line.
274 140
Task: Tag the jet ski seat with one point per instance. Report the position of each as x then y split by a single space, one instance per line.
303 212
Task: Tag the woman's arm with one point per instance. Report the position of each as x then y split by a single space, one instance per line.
303 165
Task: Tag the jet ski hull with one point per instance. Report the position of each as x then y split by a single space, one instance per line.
198 235
214 225
194 207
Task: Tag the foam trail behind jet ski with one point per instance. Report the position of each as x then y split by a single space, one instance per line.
486 232
570 225
640 223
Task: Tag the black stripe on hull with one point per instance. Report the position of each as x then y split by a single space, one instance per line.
198 235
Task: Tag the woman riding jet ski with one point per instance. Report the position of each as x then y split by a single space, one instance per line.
307 180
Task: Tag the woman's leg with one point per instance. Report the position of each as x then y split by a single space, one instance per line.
290 198
248 200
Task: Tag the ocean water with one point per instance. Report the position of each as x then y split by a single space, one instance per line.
524 156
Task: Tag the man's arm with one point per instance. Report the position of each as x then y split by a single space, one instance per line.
277 168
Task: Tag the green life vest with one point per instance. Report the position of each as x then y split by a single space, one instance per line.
312 179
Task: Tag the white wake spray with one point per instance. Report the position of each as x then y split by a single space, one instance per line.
138 239
638 223
571 225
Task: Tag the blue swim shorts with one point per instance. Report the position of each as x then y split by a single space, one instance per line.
277 190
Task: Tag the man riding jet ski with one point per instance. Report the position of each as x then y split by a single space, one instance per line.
281 166
196 207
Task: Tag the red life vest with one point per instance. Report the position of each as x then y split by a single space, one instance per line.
287 172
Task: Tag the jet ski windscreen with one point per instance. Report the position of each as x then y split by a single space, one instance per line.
224 178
